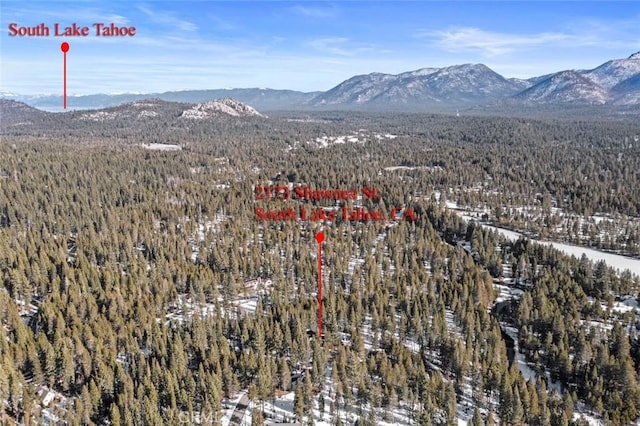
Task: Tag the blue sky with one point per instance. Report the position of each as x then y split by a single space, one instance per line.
303 45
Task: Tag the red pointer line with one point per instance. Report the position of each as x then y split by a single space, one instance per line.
65 48
320 239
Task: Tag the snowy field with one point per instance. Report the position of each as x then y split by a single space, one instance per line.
621 263
359 137
429 168
162 147
616 261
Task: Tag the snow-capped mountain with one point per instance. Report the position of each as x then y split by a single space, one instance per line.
459 84
614 82
226 106
565 87
616 71
520 83
356 90
627 92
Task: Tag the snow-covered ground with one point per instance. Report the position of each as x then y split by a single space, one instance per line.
621 263
511 235
228 406
281 409
616 261
627 304
527 372
162 147
225 106
582 412
325 141
204 228
99 116
395 168
184 308
361 136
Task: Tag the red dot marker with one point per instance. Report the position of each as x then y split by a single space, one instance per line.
65 48
320 237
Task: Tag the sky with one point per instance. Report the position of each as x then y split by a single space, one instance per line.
301 45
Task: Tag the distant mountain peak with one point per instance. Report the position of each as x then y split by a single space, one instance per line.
457 84
227 106
564 87
615 71
471 66
421 72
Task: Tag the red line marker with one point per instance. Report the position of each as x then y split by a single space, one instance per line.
65 48
320 239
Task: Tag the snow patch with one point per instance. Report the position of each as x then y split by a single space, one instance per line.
162 147
225 106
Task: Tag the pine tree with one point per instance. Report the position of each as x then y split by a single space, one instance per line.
285 375
114 415
299 403
476 420
490 419
257 419
308 392
321 404
518 412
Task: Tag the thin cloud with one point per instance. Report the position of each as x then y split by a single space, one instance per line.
607 33
339 46
81 16
314 11
223 24
332 45
491 44
165 18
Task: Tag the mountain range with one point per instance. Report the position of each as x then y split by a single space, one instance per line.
614 83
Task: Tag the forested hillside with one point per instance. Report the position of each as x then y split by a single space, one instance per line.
137 285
